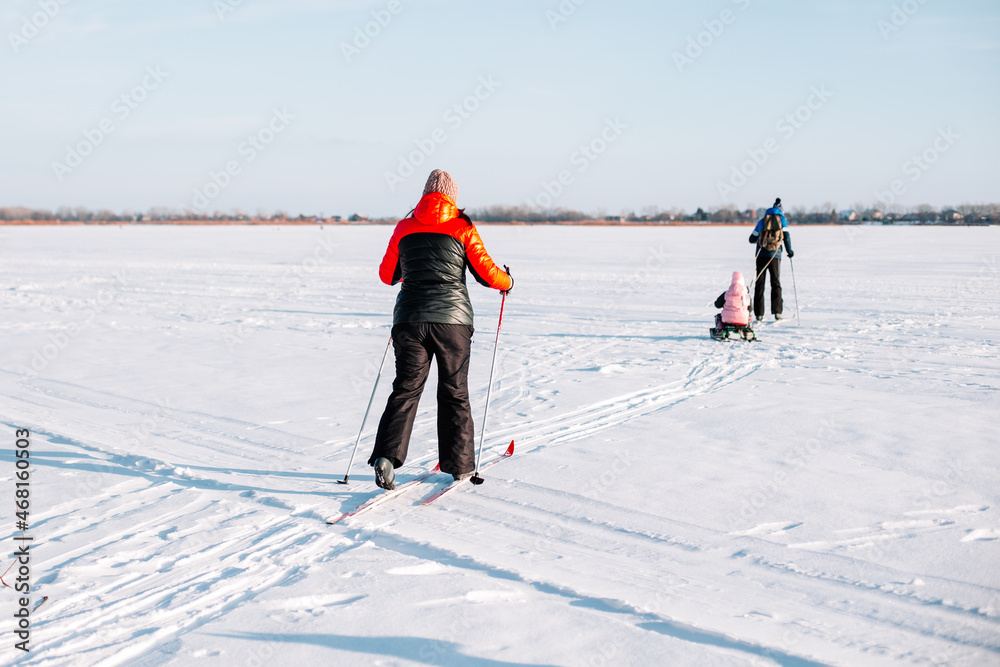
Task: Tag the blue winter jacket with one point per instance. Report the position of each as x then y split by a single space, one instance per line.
755 235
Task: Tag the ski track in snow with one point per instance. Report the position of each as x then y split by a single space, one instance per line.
164 517
704 377
557 563
144 613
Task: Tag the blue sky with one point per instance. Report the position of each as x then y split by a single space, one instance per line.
258 104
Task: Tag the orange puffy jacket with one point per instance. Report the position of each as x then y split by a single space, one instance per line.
429 252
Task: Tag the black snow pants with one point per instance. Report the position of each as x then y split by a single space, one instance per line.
774 268
415 344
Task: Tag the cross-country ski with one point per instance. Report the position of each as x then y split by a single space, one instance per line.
455 484
384 497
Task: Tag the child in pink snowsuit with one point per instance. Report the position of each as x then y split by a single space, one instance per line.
735 303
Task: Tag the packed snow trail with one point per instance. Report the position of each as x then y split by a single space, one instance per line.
826 496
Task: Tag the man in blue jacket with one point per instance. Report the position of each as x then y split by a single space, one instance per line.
769 235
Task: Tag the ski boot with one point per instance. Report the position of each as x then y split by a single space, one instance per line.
385 474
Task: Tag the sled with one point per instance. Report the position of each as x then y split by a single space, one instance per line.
724 331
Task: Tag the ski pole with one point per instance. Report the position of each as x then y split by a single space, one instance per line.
761 272
347 475
756 255
476 479
798 319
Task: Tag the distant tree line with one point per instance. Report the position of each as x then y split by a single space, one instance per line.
155 214
526 214
824 214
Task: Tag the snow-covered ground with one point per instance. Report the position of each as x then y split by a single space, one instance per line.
828 495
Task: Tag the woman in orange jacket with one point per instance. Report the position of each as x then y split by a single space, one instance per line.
429 253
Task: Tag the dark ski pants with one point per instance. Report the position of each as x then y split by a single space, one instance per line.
415 344
774 268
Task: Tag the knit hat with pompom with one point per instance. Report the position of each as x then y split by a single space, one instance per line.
441 181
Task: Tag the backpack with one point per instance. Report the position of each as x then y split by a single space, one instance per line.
771 235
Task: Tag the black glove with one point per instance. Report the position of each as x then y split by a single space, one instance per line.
791 253
507 269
